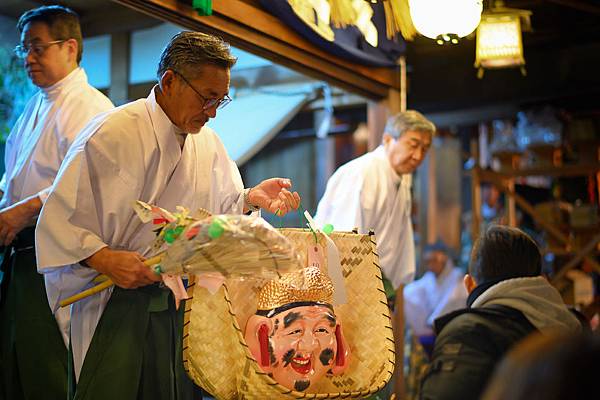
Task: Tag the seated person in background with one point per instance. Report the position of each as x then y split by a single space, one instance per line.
439 291
508 300
553 367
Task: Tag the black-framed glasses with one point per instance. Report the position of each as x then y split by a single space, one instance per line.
208 103
38 49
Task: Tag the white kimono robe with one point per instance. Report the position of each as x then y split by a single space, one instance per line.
128 154
44 132
366 193
40 139
431 297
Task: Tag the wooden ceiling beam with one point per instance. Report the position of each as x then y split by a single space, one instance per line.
254 30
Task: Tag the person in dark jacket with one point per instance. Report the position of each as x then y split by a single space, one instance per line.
508 300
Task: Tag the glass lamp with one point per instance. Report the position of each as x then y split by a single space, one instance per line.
445 21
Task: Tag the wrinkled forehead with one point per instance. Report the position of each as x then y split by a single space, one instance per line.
423 137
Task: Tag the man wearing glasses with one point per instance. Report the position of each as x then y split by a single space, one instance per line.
373 191
126 341
33 354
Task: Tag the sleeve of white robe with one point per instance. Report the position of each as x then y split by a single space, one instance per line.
89 186
70 121
9 154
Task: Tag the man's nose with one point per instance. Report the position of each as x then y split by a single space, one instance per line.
211 112
419 153
29 58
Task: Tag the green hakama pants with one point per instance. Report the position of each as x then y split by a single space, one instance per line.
33 355
136 350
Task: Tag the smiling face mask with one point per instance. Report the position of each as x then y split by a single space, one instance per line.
298 342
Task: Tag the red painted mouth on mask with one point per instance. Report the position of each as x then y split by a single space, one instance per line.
302 365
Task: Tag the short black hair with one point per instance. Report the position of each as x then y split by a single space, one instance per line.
62 22
502 252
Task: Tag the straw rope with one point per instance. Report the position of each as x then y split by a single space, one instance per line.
398 19
218 359
342 13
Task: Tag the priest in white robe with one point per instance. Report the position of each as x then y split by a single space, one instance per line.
374 192
33 353
126 341
439 291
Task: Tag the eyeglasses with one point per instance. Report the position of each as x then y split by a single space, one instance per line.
38 49
208 103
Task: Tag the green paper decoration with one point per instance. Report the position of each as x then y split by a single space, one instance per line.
202 7
170 236
215 229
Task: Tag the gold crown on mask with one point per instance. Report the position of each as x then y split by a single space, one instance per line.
306 285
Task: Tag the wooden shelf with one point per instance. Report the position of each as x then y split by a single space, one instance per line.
565 170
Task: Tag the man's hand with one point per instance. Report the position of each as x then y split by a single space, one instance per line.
273 196
125 268
18 216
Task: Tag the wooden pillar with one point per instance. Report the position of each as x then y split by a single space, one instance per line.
119 67
402 65
378 113
475 191
398 328
396 103
511 204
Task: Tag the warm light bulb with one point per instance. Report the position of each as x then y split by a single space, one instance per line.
433 18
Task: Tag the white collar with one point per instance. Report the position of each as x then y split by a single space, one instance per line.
405 179
75 77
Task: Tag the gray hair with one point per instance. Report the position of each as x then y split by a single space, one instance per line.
406 121
187 51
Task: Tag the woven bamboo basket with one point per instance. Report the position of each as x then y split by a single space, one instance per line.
217 358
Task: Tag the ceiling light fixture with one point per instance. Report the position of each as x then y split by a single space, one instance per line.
445 21
499 41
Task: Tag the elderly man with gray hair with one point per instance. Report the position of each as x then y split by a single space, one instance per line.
373 192
126 341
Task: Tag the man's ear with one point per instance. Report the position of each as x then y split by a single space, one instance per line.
73 48
167 80
469 283
387 139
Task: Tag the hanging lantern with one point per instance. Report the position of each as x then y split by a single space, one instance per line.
499 42
445 21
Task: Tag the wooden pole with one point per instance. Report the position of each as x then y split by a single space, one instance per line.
398 327
475 191
402 64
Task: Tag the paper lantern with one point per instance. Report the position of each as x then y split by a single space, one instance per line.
499 42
